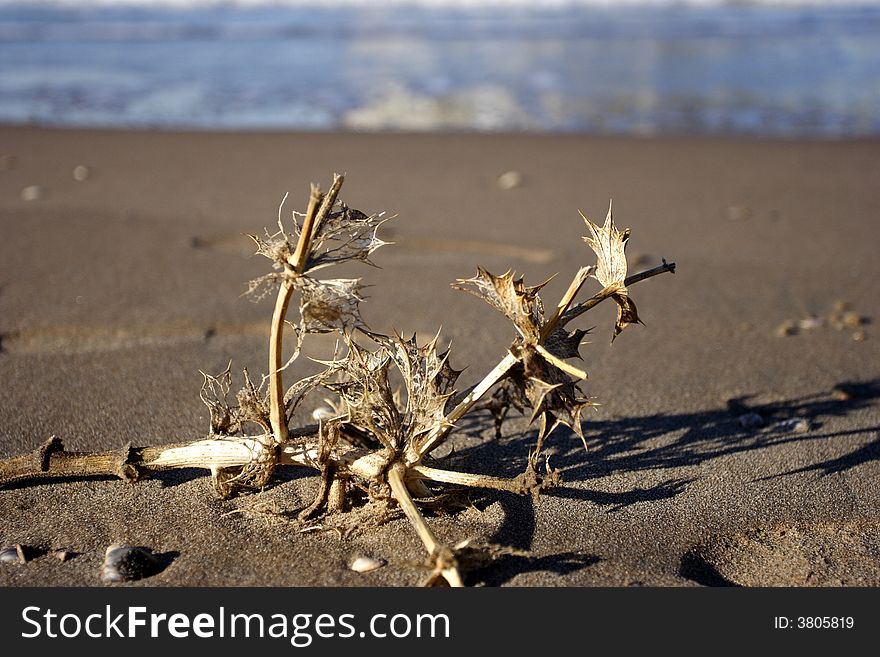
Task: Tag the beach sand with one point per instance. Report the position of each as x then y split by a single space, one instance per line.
115 291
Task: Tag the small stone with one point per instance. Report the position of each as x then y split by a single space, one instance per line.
810 323
853 320
859 336
32 193
367 564
8 162
510 180
842 393
751 421
123 563
739 213
81 173
795 425
63 555
13 554
786 329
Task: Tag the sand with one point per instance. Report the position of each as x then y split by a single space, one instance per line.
117 288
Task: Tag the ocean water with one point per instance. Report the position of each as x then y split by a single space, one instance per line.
593 66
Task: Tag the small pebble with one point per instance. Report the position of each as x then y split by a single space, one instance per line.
8 162
795 424
786 329
62 555
123 563
751 421
810 323
510 180
842 393
367 564
13 554
81 173
859 336
739 213
32 193
853 320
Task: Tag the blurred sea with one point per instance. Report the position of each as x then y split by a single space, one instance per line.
789 69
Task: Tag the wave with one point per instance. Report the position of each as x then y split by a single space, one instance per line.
438 4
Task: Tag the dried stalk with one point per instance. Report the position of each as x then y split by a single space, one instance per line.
373 440
609 291
444 562
277 412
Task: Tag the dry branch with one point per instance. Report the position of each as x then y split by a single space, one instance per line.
376 438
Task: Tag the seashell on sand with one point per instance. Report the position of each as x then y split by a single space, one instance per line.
367 564
124 563
510 180
13 554
81 173
32 193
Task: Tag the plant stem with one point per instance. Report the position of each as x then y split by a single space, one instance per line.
438 435
327 203
567 299
445 562
301 253
52 461
318 208
611 290
277 412
468 479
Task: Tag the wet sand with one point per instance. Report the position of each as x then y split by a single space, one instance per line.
737 438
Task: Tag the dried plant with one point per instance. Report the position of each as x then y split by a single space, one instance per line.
377 440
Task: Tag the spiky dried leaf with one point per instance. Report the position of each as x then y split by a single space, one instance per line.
329 305
276 247
511 297
429 382
348 234
229 419
260 288
609 245
367 393
565 344
214 394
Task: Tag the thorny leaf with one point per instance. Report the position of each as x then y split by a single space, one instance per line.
372 404
277 247
214 393
229 419
609 244
253 404
329 305
348 234
564 344
367 393
260 288
429 381
552 395
510 296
